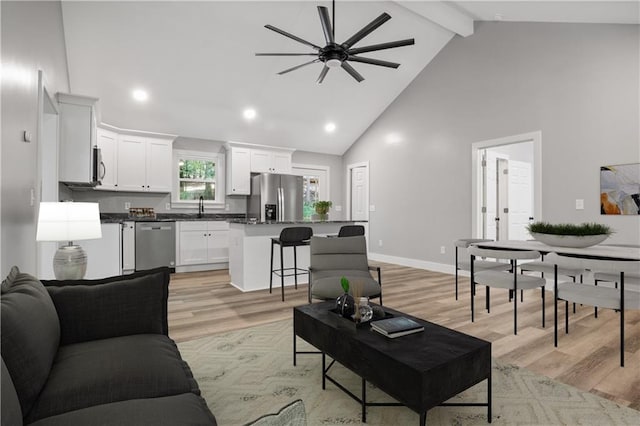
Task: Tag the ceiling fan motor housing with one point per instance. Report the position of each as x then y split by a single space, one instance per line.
333 52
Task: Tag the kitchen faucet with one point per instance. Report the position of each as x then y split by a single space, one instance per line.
201 206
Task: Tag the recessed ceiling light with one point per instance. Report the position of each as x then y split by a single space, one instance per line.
330 127
249 113
140 95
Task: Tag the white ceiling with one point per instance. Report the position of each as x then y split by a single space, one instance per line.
196 60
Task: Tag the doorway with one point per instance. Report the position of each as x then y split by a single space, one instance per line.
47 154
315 186
506 186
358 191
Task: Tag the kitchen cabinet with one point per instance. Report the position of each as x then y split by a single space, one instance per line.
128 247
77 138
144 164
238 171
203 242
108 144
104 254
270 161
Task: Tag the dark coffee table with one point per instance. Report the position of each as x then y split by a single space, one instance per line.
420 370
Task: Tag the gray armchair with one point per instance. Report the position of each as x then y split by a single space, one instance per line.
333 258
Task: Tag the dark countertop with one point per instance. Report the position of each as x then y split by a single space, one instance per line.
169 217
244 221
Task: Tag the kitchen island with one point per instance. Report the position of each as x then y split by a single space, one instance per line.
250 248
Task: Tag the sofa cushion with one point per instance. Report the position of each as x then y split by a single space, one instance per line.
30 334
178 410
117 306
10 412
109 370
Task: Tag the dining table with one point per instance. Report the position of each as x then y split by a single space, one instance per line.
621 252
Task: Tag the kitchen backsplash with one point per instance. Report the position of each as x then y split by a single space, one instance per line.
114 202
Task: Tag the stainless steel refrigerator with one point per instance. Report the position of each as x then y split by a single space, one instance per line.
275 197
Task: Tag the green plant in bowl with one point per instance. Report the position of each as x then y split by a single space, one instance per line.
569 234
322 207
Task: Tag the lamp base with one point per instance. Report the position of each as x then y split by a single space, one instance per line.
70 263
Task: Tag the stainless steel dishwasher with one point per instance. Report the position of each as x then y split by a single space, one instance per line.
155 245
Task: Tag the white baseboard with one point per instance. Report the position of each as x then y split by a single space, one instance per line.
205 267
416 263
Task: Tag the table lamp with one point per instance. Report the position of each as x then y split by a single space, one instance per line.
69 221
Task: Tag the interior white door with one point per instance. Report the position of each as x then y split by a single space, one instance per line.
502 199
359 191
520 199
490 189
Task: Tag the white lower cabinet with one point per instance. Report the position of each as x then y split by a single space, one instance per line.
203 243
103 255
128 247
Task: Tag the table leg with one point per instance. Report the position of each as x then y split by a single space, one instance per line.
324 362
489 398
364 401
294 345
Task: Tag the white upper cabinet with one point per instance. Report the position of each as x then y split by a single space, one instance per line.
158 154
108 144
270 161
238 171
132 171
77 139
140 163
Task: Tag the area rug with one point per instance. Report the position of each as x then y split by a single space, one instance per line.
248 373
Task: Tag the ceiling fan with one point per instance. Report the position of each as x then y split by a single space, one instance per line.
335 55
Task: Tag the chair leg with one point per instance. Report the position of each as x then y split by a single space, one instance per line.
621 337
521 295
271 271
282 271
456 272
515 314
295 267
555 320
487 301
566 317
542 291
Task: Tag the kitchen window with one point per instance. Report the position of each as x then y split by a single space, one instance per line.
315 186
197 174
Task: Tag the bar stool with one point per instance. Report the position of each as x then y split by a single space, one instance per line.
289 237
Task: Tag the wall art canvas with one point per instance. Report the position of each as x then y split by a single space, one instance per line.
620 189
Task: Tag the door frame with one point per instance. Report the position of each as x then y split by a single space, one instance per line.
476 175
350 167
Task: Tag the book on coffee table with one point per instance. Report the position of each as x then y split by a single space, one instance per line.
396 326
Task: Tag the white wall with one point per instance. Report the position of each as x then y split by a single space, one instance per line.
32 40
577 83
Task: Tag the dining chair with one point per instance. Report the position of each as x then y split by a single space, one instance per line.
625 296
463 264
509 280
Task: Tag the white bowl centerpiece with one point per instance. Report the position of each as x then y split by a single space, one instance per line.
569 235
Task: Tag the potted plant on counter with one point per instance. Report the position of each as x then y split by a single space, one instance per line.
569 235
322 209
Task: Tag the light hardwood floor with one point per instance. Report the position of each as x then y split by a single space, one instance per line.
204 303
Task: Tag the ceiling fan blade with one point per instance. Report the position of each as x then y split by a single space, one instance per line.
291 36
298 66
323 74
286 54
355 74
326 24
382 46
373 61
370 27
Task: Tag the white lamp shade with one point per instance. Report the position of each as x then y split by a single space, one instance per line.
68 222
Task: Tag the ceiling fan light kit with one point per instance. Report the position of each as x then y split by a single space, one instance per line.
334 55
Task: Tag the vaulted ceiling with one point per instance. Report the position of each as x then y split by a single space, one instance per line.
196 60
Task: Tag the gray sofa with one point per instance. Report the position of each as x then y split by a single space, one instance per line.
93 352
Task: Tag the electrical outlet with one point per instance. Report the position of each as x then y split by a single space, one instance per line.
579 204
167 206
226 207
338 208
379 243
372 208
127 205
442 250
